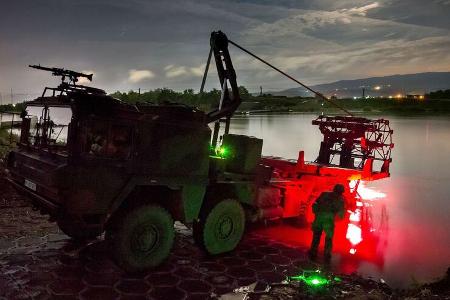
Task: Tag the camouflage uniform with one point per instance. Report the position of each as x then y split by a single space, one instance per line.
325 209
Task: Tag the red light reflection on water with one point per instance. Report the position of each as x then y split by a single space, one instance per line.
362 215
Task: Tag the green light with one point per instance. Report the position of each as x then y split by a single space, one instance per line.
298 278
316 281
223 152
313 280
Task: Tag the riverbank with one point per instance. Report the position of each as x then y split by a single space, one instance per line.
325 285
395 107
280 104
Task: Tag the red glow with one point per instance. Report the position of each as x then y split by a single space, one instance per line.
355 216
303 182
367 193
355 234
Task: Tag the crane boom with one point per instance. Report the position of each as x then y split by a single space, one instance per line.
230 99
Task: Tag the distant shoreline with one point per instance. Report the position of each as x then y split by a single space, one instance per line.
268 104
357 113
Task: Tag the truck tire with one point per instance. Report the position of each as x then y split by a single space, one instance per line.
75 230
142 238
220 227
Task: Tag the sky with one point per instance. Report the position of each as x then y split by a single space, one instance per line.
150 44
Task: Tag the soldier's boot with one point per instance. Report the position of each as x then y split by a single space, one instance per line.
312 253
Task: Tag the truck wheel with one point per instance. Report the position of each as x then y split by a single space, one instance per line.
220 227
75 230
142 238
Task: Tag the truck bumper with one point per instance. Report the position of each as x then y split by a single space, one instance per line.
36 200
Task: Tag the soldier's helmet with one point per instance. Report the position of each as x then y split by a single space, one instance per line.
339 189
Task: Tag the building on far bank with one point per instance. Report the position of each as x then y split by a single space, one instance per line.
415 96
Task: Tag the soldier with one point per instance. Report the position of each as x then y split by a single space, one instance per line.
98 146
325 208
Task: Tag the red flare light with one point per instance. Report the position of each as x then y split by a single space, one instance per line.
354 234
367 193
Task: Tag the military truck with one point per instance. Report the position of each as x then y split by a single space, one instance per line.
132 170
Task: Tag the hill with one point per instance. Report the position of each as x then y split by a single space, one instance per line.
385 86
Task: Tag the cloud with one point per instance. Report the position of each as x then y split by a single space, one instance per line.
135 76
314 30
384 57
362 10
318 41
173 71
198 71
443 2
321 18
346 20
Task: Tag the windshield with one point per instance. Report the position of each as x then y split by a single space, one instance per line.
106 139
48 127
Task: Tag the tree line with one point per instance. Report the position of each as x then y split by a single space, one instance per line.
202 100
209 99
441 94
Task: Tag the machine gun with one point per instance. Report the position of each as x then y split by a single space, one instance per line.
72 75
71 85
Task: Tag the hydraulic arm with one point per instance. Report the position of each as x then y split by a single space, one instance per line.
230 98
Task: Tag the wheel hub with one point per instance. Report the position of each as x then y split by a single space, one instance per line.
145 239
225 227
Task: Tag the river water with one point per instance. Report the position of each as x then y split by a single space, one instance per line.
416 246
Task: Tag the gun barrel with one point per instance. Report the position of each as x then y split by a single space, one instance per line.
63 72
39 67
